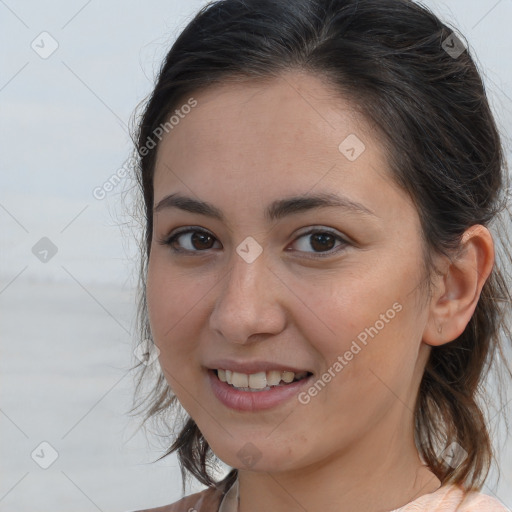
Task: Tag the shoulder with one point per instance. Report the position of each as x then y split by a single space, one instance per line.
478 502
203 501
451 498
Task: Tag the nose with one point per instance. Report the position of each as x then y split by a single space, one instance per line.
249 305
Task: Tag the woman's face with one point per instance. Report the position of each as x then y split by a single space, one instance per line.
272 278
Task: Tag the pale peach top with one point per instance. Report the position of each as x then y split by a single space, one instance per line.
449 498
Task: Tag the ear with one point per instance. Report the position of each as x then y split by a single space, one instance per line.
459 286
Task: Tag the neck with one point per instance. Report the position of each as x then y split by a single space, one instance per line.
377 474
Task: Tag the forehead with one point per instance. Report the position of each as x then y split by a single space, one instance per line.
290 133
292 106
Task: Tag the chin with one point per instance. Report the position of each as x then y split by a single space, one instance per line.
253 453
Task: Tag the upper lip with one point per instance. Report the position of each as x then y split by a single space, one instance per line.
254 366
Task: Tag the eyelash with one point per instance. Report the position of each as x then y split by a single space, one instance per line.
169 240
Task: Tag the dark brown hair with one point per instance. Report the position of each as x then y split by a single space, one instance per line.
391 59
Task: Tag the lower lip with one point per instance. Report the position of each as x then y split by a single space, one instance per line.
254 400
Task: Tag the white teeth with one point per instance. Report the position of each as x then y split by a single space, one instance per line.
240 380
273 378
288 376
259 380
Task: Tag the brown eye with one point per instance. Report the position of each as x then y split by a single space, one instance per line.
201 240
191 240
321 241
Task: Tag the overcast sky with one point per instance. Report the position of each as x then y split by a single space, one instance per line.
64 118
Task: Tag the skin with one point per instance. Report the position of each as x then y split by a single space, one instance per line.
243 146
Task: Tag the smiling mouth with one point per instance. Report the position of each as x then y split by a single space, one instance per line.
260 381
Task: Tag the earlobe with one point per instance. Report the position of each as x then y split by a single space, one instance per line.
458 288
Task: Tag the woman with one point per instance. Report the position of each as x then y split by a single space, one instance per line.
319 179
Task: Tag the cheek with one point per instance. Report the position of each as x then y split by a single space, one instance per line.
172 310
171 300
170 294
160 299
370 320
177 301
368 359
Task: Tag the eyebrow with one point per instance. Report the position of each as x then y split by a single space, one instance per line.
277 210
